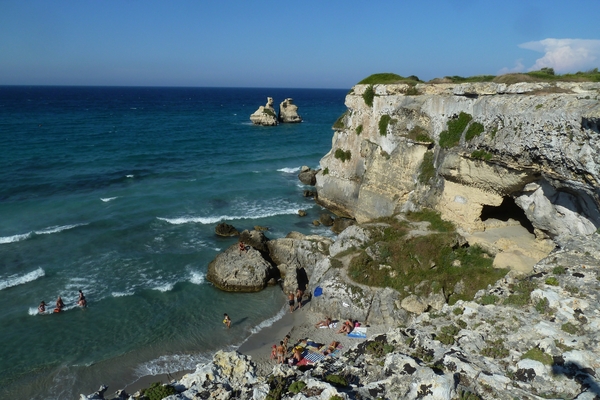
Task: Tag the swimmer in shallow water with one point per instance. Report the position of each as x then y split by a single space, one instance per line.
42 307
82 302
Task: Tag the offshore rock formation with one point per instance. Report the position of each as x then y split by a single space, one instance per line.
288 112
265 115
523 156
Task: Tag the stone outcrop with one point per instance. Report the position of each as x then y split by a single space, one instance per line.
527 151
527 341
288 112
265 115
308 176
223 229
235 270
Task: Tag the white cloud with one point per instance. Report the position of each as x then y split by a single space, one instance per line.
565 55
519 67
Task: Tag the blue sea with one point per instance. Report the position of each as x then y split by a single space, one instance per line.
116 192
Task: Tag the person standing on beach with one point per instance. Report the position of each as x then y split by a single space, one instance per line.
280 353
291 301
299 294
227 321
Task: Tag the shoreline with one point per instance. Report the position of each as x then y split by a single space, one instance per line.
299 325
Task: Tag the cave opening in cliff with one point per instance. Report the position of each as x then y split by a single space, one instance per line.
505 211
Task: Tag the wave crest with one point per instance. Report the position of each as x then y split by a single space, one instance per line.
15 280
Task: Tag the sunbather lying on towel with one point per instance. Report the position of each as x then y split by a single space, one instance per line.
331 348
326 322
346 327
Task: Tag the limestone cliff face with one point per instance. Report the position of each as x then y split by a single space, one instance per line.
528 151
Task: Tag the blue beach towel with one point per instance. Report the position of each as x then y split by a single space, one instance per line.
358 333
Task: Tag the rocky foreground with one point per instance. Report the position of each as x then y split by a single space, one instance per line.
526 337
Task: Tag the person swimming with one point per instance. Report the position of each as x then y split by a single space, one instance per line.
42 307
59 305
82 302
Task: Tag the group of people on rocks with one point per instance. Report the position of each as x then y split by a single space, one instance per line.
347 326
81 302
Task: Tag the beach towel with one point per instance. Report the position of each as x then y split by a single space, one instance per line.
314 357
331 326
358 333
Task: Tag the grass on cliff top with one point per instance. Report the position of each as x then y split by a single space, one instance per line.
426 264
388 78
543 75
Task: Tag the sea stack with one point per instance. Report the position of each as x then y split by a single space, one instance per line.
265 115
288 112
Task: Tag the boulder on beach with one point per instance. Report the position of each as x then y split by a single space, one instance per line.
236 270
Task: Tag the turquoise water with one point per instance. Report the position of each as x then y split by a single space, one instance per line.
116 191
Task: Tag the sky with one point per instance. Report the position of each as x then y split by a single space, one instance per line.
290 44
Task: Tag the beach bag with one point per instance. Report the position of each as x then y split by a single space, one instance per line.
318 291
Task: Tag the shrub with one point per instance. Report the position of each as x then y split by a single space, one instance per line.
457 311
340 123
475 129
570 328
558 270
359 129
412 91
521 293
481 155
542 306
427 168
384 121
495 349
336 380
447 334
342 155
419 134
552 281
538 355
451 137
326 171
158 391
297 387
379 349
488 299
369 95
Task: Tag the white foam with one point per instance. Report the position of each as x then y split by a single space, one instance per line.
164 287
121 294
197 278
15 280
268 322
107 199
172 363
14 238
56 229
254 213
289 170
129 176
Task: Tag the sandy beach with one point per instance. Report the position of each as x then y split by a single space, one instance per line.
299 325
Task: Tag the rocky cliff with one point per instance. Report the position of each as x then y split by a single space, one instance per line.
486 155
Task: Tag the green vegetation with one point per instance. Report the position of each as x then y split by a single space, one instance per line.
336 380
429 258
419 134
562 346
542 306
384 121
342 155
570 328
359 129
270 112
475 129
297 387
476 78
369 95
481 155
412 91
466 395
379 349
488 299
157 391
447 334
521 293
427 168
336 397
451 137
543 75
537 107
558 270
277 387
457 311
340 123
326 171
388 78
495 349
552 281
538 355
